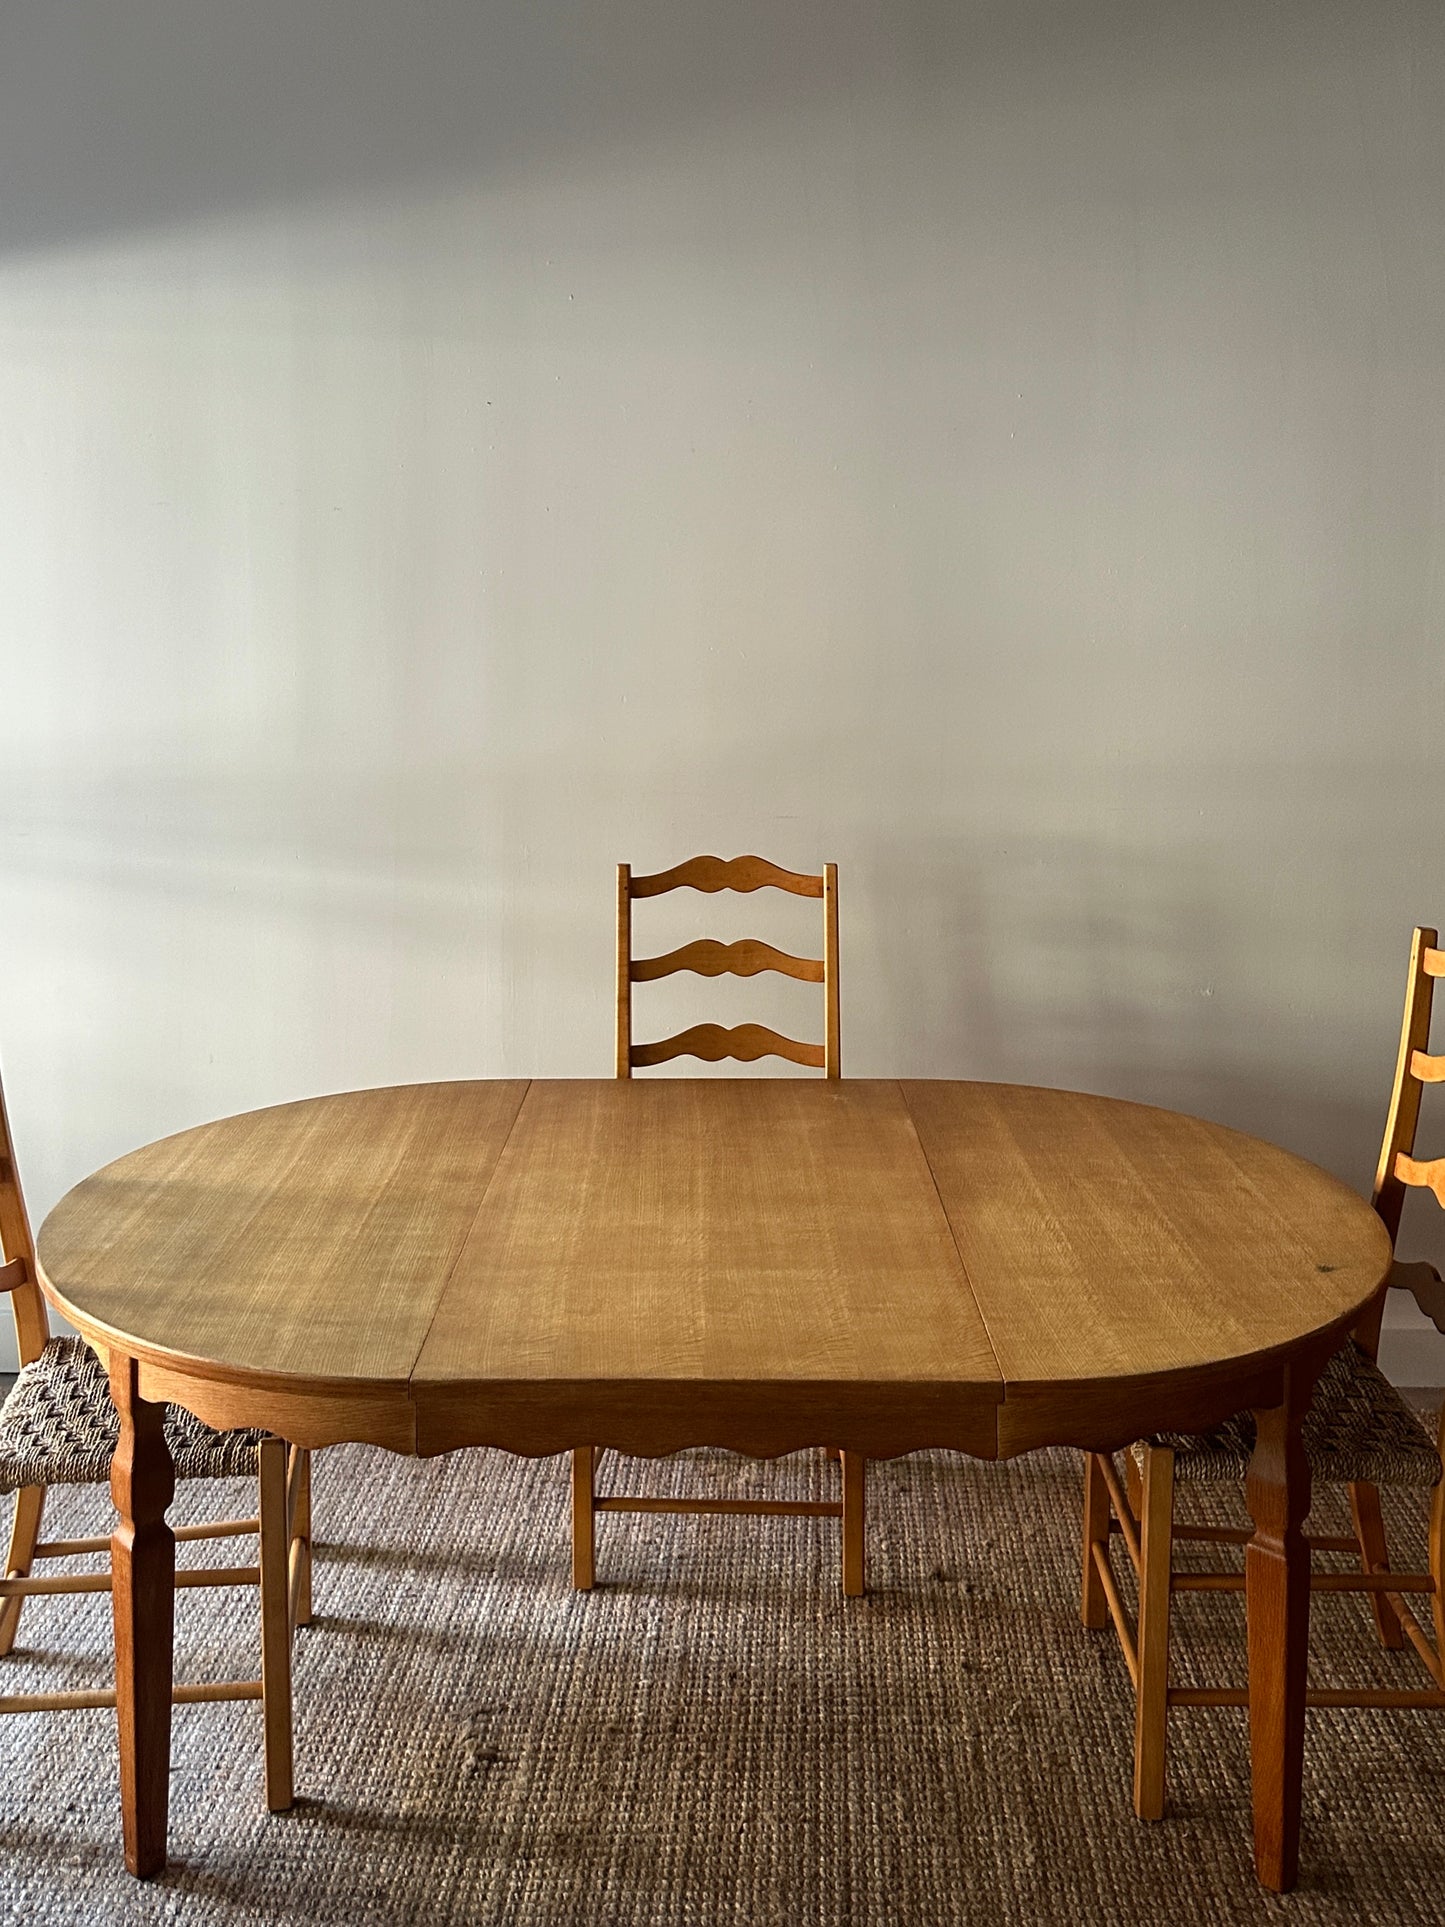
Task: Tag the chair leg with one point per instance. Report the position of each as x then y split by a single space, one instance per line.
1133 1483
1151 1706
275 1626
854 1477
584 1519
1370 1534
300 1548
1094 1607
24 1535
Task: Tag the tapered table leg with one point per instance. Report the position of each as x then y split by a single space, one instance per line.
1277 1592
143 1571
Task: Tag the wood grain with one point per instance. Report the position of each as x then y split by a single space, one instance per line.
744 1043
832 1013
1403 1116
679 1234
1092 1604
143 1568
623 1030
307 1242
761 1265
713 1043
309 1412
1151 1702
1369 1524
650 1418
638 1234
274 1578
584 1522
1277 1592
708 958
1426 1173
1113 1246
855 1473
713 873
24 1540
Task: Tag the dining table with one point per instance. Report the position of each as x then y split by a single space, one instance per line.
763 1264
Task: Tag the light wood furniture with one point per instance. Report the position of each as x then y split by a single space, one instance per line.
755 1264
58 1418
1358 1433
707 958
744 1042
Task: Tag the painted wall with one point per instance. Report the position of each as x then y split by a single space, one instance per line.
445 449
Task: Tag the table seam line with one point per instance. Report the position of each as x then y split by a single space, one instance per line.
465 1241
953 1240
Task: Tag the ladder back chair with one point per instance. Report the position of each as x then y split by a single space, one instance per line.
744 1043
58 1426
1358 1433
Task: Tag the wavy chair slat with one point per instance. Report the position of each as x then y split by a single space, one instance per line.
1428 1069
745 958
1428 1174
742 873
1403 1116
744 1042
14 1275
1434 963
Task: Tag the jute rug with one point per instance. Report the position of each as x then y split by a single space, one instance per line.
713 1735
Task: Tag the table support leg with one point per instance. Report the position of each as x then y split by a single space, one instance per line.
143 1568
1277 1593
854 1467
584 1518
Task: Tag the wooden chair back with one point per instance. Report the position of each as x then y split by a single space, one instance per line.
18 1275
1398 1168
745 958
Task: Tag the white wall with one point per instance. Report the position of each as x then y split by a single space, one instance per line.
445 449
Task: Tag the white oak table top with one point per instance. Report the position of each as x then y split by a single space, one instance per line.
764 1263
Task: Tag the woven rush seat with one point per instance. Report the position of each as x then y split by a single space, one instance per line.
58 1427
1357 1428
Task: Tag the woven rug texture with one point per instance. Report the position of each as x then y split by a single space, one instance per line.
714 1735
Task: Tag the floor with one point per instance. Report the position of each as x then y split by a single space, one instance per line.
713 1736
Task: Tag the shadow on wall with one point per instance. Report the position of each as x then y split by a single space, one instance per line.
220 938
116 120
1080 962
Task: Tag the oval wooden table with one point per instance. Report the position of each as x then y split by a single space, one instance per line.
759 1264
